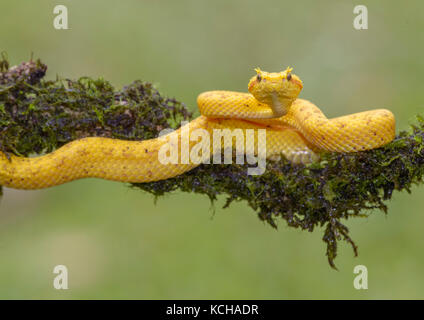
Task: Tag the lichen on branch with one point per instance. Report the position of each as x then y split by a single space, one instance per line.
38 116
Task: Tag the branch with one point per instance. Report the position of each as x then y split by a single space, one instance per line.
39 116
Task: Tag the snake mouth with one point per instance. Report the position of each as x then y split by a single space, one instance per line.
297 82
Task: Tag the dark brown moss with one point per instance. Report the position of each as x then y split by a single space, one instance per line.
39 116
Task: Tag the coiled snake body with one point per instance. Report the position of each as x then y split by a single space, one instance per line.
295 128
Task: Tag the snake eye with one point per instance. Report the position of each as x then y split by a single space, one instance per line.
258 78
289 76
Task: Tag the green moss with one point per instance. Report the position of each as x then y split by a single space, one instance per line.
39 116
322 194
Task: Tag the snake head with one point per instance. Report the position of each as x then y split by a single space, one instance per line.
276 89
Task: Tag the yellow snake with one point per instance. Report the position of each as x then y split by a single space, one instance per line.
295 128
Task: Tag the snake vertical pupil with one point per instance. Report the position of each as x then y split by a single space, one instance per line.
258 77
289 76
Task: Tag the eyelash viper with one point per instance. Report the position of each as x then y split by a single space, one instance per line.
295 128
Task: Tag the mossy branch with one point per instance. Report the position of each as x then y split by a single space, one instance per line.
38 116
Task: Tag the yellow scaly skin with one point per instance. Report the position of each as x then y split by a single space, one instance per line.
295 128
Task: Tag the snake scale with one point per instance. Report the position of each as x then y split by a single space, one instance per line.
295 128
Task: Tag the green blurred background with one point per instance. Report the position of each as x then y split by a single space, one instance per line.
117 243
